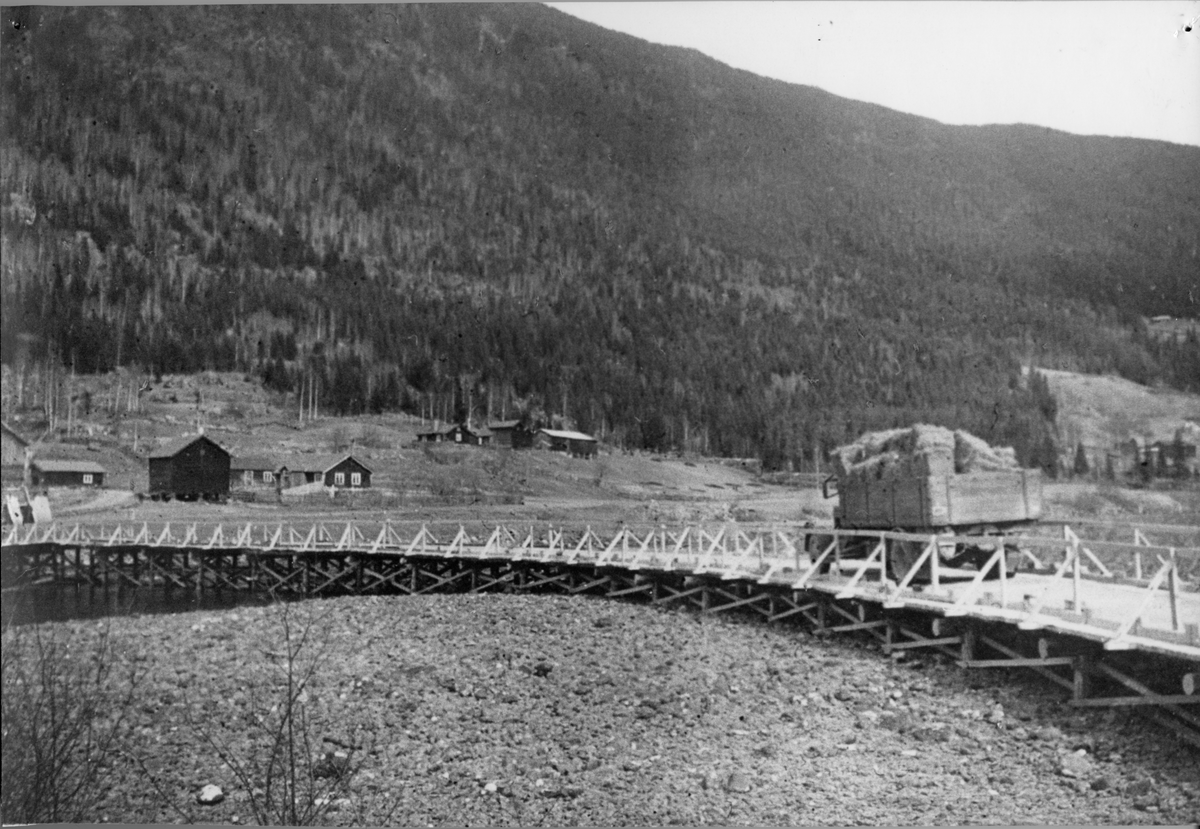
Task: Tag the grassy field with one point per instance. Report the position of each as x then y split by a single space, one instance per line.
1103 410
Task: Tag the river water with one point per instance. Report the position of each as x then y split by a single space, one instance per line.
33 604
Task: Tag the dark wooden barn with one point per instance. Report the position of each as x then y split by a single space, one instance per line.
576 444
512 434
189 468
47 473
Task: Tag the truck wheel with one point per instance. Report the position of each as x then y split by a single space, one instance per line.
814 545
979 557
901 556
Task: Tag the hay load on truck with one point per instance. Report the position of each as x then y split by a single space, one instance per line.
932 481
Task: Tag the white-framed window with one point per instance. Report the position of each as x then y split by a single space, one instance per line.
87 477
268 477
355 479
458 437
248 477
339 478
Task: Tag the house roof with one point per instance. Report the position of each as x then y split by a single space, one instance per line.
253 462
318 463
173 447
504 424
68 466
11 432
559 433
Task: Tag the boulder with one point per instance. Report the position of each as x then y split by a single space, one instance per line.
210 795
1078 766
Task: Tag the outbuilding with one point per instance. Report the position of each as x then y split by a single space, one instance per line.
188 468
47 473
576 444
512 434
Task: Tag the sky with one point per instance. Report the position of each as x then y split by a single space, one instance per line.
1100 67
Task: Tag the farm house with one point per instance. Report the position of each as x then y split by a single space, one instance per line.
251 471
459 433
342 471
48 473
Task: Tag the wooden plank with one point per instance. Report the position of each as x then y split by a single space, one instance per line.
1149 699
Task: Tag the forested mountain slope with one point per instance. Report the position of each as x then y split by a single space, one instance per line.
500 207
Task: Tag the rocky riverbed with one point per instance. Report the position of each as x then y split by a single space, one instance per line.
493 709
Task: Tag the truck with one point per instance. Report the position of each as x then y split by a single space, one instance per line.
983 504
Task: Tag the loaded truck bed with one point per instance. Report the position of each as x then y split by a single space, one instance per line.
936 501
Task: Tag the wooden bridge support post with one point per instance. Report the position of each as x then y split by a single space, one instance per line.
967 647
1080 680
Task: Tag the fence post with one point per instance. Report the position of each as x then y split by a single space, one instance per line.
1075 575
935 564
1003 574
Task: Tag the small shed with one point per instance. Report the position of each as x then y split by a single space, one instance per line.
511 433
252 471
576 444
190 467
459 433
46 473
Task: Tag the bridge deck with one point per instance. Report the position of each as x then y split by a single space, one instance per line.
1105 597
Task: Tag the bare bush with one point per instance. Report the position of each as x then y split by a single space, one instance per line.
339 438
290 781
64 715
372 437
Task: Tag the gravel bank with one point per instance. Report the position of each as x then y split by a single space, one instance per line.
495 709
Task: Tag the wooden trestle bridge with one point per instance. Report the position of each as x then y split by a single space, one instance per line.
1113 623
